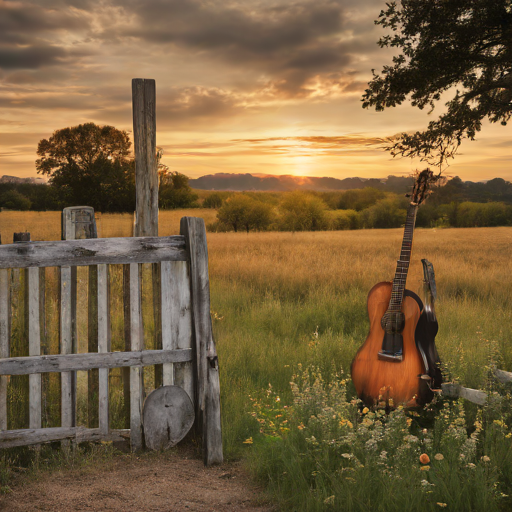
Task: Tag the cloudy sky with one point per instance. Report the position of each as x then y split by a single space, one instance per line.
258 86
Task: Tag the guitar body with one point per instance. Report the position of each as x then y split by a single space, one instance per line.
377 380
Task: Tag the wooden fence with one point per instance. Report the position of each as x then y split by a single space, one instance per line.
186 333
477 396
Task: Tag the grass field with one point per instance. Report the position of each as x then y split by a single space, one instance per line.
280 300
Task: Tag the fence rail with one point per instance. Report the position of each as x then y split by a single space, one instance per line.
454 390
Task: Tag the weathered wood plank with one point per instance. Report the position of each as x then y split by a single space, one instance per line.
93 251
144 145
66 346
136 372
208 390
82 362
457 391
5 336
27 437
168 318
127 343
92 347
103 346
34 347
503 376
168 416
180 315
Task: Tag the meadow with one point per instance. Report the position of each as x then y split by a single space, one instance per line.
289 313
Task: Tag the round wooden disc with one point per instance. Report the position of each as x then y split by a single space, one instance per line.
168 415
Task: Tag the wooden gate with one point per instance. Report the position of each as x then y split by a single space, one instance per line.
188 353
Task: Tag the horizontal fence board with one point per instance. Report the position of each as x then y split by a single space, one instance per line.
73 362
457 391
503 376
25 437
93 251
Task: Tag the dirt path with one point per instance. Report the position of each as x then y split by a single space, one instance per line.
167 482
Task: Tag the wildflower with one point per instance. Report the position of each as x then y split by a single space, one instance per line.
383 454
485 458
365 410
425 468
248 441
439 456
408 421
329 500
470 465
424 458
442 505
346 455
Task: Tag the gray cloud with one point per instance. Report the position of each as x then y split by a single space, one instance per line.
30 58
287 44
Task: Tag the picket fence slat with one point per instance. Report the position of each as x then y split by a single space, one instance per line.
181 324
103 346
5 310
75 362
136 375
66 347
93 251
25 437
167 319
34 346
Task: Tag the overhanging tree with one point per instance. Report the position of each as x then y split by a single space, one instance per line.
90 164
461 46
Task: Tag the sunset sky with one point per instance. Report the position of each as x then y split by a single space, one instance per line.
265 86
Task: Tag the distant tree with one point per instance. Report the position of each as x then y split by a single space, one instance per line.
303 211
214 200
175 192
359 199
460 46
14 200
242 211
90 164
387 213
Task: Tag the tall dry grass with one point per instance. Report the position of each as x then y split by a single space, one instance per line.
47 225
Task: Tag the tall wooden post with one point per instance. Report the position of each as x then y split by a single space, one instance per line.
146 213
146 166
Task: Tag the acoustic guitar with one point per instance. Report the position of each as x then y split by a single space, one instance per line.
389 368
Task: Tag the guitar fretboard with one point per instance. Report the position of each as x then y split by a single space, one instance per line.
402 265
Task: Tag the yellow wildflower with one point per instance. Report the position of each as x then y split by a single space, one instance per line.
248 441
442 505
439 456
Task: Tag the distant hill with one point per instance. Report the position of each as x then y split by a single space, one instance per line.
267 182
17 180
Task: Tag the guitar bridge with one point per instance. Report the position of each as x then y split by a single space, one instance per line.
392 358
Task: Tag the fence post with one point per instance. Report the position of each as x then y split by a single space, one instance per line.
207 401
146 186
78 223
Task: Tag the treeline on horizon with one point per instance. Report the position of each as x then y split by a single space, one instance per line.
456 204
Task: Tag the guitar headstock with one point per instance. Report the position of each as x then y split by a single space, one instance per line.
423 186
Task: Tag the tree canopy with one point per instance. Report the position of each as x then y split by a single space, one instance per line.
174 191
90 164
460 46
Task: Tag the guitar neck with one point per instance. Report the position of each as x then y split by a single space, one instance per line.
402 265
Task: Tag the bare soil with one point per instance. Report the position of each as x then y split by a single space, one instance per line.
171 481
